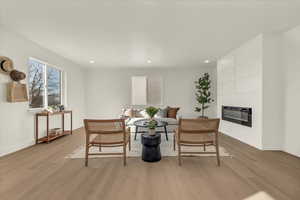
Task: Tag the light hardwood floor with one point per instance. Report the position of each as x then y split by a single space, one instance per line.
42 172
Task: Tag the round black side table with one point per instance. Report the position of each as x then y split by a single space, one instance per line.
151 148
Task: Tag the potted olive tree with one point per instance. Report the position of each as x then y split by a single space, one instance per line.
203 94
151 111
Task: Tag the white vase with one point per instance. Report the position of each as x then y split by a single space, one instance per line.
151 131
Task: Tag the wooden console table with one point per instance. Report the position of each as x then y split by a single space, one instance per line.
49 137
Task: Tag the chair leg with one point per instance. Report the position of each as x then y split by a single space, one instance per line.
174 143
179 154
218 153
124 154
86 155
204 147
100 148
129 143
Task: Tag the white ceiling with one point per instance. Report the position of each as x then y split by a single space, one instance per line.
126 33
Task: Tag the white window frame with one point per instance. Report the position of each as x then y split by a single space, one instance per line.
62 84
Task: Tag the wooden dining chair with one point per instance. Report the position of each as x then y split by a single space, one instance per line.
197 133
106 133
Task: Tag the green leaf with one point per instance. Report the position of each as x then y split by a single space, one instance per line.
197 109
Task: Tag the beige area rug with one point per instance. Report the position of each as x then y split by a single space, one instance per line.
166 148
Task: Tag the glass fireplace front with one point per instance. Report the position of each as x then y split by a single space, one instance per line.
239 115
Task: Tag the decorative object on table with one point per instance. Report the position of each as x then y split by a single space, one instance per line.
6 65
49 109
16 92
151 111
203 94
151 147
151 126
55 131
55 108
61 108
17 76
172 112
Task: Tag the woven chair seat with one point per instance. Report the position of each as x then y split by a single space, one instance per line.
116 138
194 138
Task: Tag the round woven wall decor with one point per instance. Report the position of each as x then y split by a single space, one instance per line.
6 65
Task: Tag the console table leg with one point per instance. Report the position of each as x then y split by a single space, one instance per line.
71 122
48 129
63 122
36 129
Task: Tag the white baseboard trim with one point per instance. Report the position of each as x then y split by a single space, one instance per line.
242 141
292 153
14 148
272 149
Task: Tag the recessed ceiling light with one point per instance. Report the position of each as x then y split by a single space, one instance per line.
207 61
149 61
92 61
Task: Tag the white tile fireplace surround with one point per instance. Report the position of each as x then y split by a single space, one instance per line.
248 77
263 74
240 84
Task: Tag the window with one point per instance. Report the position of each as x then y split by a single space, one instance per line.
53 86
45 84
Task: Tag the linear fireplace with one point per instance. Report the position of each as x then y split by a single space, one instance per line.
239 115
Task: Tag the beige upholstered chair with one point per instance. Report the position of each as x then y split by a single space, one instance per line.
197 133
106 133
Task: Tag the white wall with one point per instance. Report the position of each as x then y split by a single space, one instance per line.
240 84
16 122
109 90
291 63
273 117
